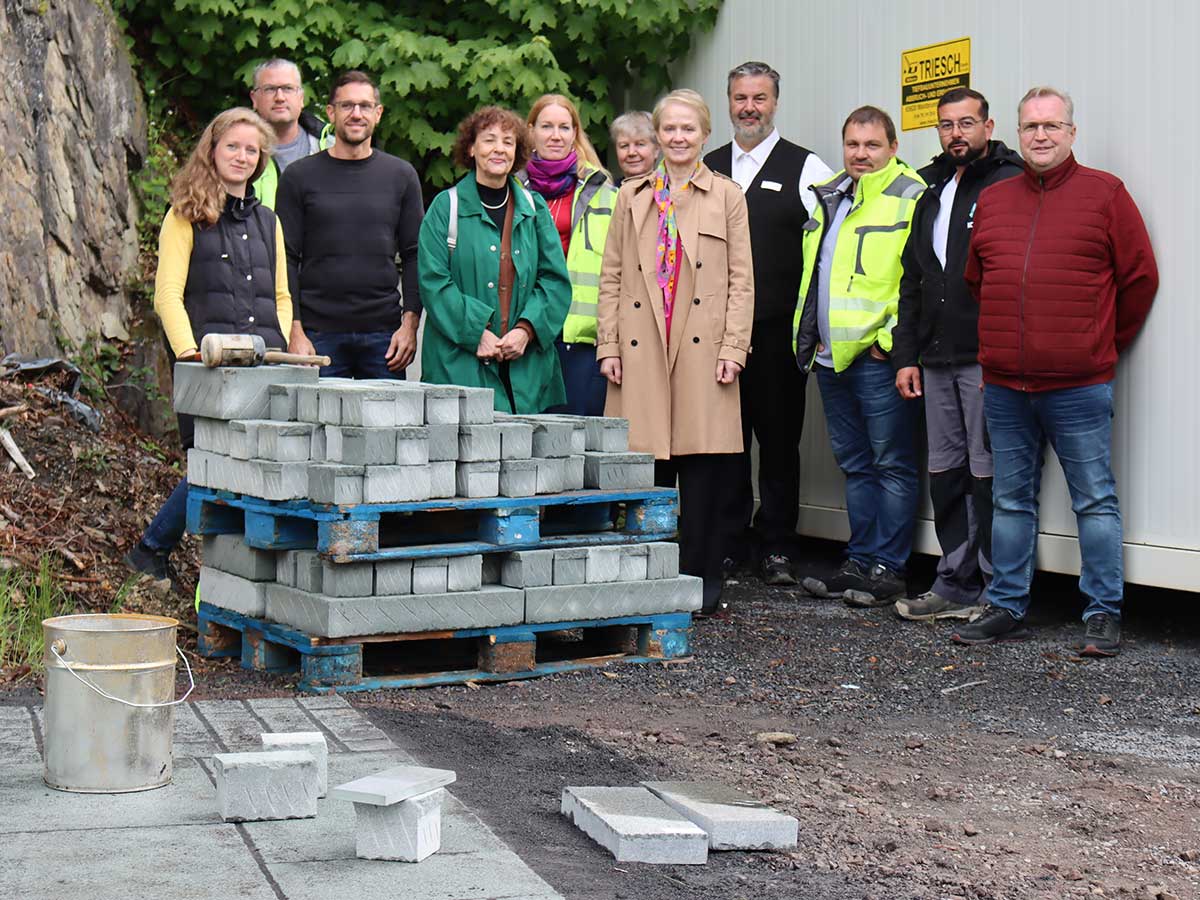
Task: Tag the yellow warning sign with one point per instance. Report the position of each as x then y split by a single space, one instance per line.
928 72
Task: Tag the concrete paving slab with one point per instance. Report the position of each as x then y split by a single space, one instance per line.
284 715
568 603
392 785
634 825
17 744
235 725
232 393
733 820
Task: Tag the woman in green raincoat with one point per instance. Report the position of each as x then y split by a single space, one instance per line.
493 278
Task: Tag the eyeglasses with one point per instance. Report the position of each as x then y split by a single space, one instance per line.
286 89
1052 129
349 106
966 124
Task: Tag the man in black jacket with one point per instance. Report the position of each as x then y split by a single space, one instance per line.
937 333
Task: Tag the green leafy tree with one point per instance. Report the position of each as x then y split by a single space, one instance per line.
435 60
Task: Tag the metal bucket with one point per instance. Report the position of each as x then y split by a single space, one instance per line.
109 716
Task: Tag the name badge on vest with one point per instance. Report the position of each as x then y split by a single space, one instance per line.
770 186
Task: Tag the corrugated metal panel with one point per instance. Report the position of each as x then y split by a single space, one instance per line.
1132 76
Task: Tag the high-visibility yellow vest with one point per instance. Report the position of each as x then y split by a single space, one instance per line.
267 184
591 214
864 278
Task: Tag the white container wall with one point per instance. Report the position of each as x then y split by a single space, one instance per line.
1131 72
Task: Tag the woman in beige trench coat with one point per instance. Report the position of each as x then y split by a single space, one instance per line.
675 313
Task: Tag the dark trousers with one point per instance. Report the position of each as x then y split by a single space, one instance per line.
586 387
772 390
708 523
166 528
354 354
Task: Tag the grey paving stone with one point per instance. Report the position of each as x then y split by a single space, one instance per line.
607 434
310 571
552 437
393 576
197 467
634 562
236 727
412 445
527 568
232 393
570 565
431 576
211 435
733 820
478 443
351 579
443 442
518 477
233 592
230 553
441 404
551 475
516 439
443 479
396 484
570 603
663 561
282 402
603 564
332 483
308 404
264 786
282 715
279 480
312 742
317 448
464 573
617 471
351 728
285 441
354 446
634 825
491 606
476 406
393 785
477 479
573 473
243 438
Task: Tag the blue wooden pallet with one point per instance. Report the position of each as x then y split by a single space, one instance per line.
352 532
500 654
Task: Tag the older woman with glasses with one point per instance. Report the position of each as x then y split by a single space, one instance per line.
676 306
633 139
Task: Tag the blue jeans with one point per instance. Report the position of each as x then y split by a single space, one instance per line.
354 354
166 528
1077 422
586 387
871 430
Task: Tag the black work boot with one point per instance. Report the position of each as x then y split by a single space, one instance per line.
883 588
996 625
853 575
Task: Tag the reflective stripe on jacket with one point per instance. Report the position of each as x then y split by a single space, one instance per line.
864 281
268 182
591 215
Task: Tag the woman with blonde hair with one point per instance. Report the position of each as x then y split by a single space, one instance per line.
567 173
676 306
221 270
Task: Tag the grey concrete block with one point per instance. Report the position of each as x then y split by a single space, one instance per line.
285 567
332 483
477 479
603 564
663 561
464 573
412 445
316 451
352 579
197 467
223 473
634 825
243 438
733 820
354 446
618 471
310 571
443 442
476 406
303 742
612 600
260 787
551 474
573 473
409 831
394 785
516 439
232 393
493 563
489 607
570 565
518 477
211 435
285 441
372 406
431 575
443 479
634 562
230 553
606 434
478 443
441 404
393 576
308 404
396 484
279 480
233 592
527 568
552 436
282 402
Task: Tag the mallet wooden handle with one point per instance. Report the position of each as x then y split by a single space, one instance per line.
296 359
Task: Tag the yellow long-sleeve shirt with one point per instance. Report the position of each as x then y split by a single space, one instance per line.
174 257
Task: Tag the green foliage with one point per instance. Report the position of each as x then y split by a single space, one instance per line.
26 597
152 183
436 60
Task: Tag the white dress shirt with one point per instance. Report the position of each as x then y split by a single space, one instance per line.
748 163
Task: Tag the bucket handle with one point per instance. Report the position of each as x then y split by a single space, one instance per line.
58 646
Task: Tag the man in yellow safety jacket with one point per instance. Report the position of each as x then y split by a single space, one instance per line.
278 97
849 294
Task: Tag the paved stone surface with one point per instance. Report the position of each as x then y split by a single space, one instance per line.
170 842
233 592
634 825
230 553
266 785
569 603
732 820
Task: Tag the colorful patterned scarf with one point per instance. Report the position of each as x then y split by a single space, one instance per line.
667 254
553 178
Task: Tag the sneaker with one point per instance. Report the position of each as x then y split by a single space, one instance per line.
853 575
996 625
777 570
883 588
1101 636
931 606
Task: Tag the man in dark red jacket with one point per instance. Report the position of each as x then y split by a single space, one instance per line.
1062 266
